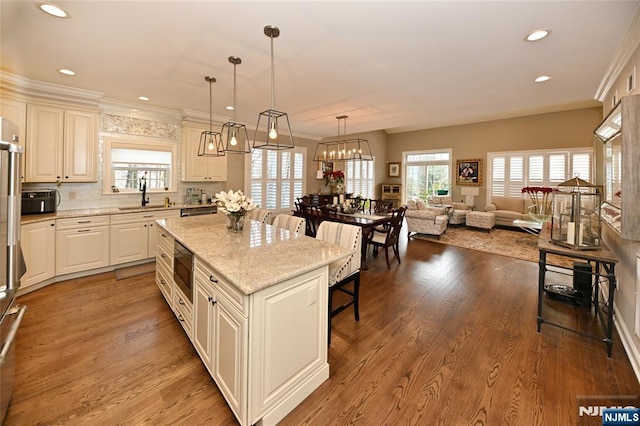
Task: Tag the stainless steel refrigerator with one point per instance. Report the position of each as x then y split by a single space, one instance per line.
12 265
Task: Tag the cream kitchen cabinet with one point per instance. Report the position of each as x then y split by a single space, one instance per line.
133 234
200 169
164 265
220 335
61 144
16 112
38 242
82 244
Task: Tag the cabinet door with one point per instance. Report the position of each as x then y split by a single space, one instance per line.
80 146
38 242
152 244
81 249
203 320
129 242
200 169
16 112
229 358
44 143
194 168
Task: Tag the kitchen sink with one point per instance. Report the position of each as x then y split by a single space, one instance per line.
148 207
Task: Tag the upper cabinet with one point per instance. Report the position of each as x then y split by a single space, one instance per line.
200 169
61 144
16 112
620 132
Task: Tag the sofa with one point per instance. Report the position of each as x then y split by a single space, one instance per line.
508 209
423 219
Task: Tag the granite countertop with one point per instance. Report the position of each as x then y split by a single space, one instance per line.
65 214
258 257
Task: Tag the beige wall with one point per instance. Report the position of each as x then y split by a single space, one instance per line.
377 143
567 129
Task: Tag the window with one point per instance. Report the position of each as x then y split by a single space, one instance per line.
426 172
359 178
275 178
511 171
128 160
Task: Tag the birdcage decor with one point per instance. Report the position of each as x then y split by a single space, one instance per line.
575 222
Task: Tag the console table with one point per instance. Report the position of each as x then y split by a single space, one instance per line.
605 262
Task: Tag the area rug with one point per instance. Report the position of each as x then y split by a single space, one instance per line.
134 271
504 242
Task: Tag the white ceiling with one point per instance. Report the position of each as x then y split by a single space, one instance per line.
388 65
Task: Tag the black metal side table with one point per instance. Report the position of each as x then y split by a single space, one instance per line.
605 262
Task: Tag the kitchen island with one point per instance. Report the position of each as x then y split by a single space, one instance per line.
256 312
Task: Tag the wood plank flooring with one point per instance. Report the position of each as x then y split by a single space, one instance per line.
447 337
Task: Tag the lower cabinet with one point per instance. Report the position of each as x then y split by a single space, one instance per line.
220 338
38 242
82 244
286 356
133 235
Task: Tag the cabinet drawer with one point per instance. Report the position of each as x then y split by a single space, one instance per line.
236 298
183 309
164 257
164 239
144 216
165 283
82 222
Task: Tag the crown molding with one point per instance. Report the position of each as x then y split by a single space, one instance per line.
198 117
622 55
38 90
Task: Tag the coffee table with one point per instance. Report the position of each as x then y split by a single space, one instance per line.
530 226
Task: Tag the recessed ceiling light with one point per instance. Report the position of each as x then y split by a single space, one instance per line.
52 10
229 107
542 78
66 71
537 35
143 98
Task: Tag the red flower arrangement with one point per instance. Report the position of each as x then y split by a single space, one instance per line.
332 178
540 198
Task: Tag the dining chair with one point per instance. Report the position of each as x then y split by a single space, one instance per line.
345 270
388 236
260 215
292 223
381 207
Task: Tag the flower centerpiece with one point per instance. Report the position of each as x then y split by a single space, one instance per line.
235 205
335 180
540 196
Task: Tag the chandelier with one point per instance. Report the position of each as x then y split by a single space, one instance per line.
343 149
276 123
210 142
234 136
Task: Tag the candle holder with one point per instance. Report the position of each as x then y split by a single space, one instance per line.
575 222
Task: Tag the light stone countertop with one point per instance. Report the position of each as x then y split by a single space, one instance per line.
258 257
99 211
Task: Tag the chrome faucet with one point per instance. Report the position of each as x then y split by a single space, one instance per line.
143 187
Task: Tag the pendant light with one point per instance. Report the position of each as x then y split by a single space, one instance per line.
343 149
210 141
276 123
235 139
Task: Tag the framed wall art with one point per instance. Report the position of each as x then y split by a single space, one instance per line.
393 169
469 172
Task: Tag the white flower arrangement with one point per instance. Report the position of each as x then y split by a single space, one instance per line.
235 203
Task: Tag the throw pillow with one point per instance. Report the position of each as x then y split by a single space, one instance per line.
421 205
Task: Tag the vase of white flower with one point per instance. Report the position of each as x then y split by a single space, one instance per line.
235 205
235 222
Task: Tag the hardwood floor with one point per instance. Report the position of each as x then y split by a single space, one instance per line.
447 337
